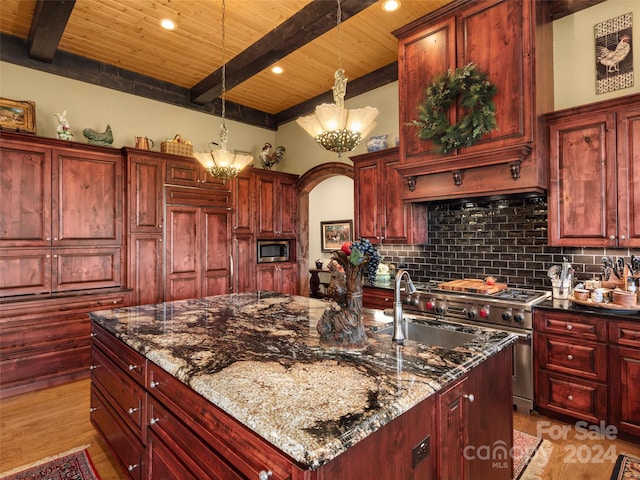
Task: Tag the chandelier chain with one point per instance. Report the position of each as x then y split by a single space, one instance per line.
339 21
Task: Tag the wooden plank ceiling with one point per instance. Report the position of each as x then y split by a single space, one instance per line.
123 39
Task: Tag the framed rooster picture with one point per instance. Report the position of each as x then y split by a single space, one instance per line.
614 54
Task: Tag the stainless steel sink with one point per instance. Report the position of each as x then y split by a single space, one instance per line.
428 335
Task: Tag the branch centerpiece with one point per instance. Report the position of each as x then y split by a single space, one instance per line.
341 324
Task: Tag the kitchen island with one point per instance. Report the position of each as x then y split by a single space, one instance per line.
238 386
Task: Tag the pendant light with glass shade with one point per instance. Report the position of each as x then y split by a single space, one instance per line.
335 128
221 163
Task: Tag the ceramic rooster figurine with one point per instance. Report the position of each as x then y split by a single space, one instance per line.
102 139
269 159
611 59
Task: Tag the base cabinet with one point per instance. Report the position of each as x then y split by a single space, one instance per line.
278 277
183 436
588 368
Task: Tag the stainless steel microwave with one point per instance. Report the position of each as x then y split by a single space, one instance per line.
273 251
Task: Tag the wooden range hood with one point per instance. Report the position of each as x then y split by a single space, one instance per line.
512 159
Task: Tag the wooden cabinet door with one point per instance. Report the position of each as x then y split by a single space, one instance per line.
582 187
87 198
422 56
624 389
288 278
146 180
288 206
244 264
628 156
497 37
183 258
216 251
146 275
452 420
395 216
25 271
367 200
267 198
25 195
267 278
243 203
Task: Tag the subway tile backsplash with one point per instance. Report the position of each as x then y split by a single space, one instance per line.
505 238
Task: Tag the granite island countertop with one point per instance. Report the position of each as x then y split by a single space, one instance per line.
257 357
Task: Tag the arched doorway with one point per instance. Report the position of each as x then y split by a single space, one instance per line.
306 183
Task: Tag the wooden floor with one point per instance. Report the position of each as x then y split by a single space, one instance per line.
44 423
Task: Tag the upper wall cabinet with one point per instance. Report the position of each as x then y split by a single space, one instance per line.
594 192
277 204
508 40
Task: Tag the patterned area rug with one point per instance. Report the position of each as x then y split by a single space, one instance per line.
524 447
626 468
71 465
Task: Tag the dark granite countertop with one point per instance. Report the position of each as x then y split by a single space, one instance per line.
568 305
257 356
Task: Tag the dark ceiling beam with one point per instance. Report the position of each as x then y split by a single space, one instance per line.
361 85
49 20
562 8
313 20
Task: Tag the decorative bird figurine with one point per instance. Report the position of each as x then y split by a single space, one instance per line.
102 139
268 159
612 59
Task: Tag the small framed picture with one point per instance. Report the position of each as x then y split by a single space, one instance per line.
335 233
17 115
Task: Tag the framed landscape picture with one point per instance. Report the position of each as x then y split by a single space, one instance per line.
17 115
335 233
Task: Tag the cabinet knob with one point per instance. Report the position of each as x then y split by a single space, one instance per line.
48 239
612 237
132 410
159 240
131 468
265 474
93 409
570 398
132 367
569 357
153 384
469 396
93 367
55 238
622 237
569 327
153 421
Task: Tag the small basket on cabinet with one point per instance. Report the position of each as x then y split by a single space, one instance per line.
177 146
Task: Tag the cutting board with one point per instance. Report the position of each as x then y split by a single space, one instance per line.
473 286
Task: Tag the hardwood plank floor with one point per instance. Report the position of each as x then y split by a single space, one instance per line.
39 424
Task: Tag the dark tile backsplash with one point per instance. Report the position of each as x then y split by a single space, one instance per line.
505 238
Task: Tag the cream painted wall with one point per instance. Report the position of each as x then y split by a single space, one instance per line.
90 106
331 199
574 53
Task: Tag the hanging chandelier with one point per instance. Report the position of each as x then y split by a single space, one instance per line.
335 128
219 162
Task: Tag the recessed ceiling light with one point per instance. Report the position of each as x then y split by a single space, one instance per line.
277 70
167 24
390 5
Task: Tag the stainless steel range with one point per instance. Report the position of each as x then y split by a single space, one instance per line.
509 310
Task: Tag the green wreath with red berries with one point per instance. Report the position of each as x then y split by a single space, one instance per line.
475 93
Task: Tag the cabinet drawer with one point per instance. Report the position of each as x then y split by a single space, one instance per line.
242 448
571 396
584 359
197 196
124 357
571 325
625 333
187 449
125 395
127 449
377 298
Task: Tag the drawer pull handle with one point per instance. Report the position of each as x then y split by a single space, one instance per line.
131 468
470 397
132 410
132 367
569 357
265 474
93 367
93 409
570 398
154 384
569 327
93 335
153 421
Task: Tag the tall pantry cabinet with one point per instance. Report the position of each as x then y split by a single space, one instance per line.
61 256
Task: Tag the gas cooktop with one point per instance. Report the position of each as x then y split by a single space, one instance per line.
527 296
